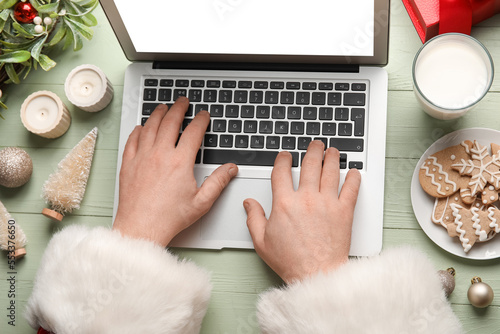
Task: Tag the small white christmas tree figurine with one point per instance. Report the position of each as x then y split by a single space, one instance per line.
12 237
65 188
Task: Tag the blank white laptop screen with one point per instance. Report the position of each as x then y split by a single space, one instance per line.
277 27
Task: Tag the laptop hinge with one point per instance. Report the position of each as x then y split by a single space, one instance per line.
282 67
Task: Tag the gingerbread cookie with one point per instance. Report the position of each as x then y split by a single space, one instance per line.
483 169
465 181
436 175
471 225
489 195
495 148
442 213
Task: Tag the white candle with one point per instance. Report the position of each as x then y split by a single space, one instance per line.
43 113
88 88
451 73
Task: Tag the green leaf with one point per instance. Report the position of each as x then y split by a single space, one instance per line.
49 8
27 67
4 4
15 56
69 39
78 10
19 28
86 3
79 28
58 35
46 63
37 47
2 25
91 19
4 14
15 45
11 72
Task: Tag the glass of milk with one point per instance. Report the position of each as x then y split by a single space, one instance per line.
451 74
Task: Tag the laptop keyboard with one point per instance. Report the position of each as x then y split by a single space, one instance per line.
253 120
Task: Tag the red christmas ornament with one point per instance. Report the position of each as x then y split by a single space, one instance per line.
24 12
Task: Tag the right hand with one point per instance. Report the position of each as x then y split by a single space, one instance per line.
308 230
159 196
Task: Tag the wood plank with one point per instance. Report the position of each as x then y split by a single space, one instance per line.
107 121
99 195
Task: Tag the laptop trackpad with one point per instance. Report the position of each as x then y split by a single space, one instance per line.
227 218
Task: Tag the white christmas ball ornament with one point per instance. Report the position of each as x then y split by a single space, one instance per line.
37 20
47 21
480 294
16 167
38 29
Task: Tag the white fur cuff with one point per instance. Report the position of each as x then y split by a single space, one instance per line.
396 292
96 281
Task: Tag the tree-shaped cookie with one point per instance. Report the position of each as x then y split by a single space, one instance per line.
442 213
65 188
12 237
473 224
482 168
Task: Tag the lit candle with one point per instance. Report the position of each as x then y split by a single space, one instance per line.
88 88
451 73
43 113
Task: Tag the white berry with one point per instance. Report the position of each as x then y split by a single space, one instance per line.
38 29
47 21
37 20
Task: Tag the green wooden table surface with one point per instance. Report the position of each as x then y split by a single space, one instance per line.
238 276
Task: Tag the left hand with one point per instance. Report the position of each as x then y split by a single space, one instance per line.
159 196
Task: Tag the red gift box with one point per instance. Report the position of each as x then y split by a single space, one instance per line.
434 17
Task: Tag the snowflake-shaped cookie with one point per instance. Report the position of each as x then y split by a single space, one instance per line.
483 168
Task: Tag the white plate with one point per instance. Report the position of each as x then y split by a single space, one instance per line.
423 203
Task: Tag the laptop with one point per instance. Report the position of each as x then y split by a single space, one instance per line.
274 75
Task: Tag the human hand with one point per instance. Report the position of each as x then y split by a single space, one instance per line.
308 230
159 196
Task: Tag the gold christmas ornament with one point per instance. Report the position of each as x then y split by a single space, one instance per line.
16 167
65 188
480 294
447 278
12 237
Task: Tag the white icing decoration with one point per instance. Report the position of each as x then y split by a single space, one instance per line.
493 224
492 198
465 193
477 204
447 218
433 180
434 169
458 217
478 168
440 219
485 201
466 147
491 188
440 178
477 225
447 188
453 157
456 198
484 192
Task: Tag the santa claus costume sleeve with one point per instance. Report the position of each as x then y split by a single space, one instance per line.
96 281
396 292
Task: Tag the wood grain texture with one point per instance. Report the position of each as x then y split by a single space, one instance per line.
238 276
